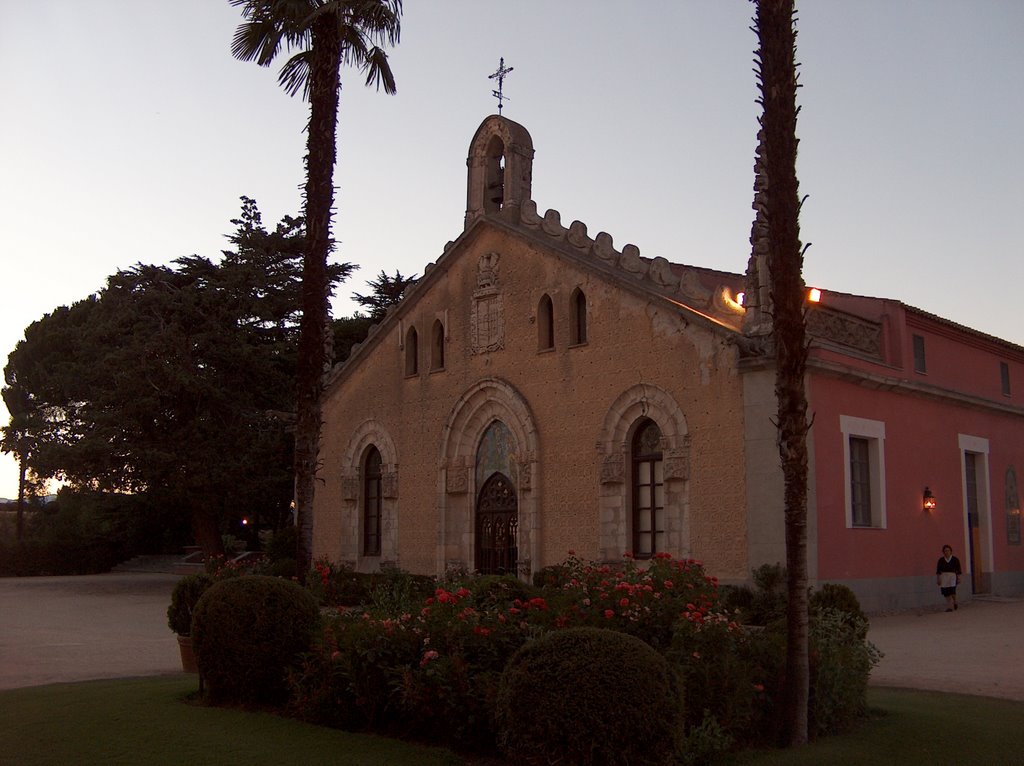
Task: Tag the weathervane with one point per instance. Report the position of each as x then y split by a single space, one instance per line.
500 77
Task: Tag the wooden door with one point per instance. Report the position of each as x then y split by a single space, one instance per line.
497 526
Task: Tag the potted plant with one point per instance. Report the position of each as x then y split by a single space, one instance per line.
184 597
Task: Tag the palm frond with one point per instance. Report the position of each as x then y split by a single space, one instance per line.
378 71
294 75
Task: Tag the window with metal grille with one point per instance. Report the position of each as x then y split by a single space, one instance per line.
919 360
412 352
545 324
860 481
372 505
648 491
437 346
578 304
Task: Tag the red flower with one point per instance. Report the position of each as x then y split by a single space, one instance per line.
624 603
608 613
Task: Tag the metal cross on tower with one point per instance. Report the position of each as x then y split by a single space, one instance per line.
500 77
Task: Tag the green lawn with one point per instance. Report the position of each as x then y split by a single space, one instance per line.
148 721
912 728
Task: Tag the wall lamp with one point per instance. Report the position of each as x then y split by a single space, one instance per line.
929 502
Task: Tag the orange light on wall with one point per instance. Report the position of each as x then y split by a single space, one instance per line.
929 502
814 295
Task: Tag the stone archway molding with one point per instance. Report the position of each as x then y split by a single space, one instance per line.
369 432
481 404
643 400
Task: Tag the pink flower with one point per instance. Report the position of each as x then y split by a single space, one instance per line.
428 656
624 602
608 613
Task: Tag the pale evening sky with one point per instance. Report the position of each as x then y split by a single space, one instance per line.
128 133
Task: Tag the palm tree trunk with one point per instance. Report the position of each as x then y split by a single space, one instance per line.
320 158
775 25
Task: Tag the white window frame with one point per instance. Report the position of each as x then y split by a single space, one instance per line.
874 432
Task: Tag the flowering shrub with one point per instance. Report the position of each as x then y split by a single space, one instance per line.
643 601
428 665
219 567
336 584
731 675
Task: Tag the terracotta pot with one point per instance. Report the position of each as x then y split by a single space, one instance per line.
188 658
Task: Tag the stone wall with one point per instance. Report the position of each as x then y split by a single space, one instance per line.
570 410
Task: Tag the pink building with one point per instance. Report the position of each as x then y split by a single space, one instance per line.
918 441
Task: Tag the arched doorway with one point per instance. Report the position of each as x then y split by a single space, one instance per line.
497 526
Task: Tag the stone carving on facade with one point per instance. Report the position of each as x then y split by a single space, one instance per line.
613 469
350 488
676 459
577 236
487 271
486 321
457 482
604 248
525 476
389 485
846 330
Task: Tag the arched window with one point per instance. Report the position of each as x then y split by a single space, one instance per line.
578 312
494 195
545 324
648 484
411 352
437 346
372 503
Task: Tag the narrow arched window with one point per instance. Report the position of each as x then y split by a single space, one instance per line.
437 346
578 312
372 503
648 482
494 194
545 324
411 352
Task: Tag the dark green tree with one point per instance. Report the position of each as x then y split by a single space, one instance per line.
387 292
326 34
774 23
169 381
352 330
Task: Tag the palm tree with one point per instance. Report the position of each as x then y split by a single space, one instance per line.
774 23
325 34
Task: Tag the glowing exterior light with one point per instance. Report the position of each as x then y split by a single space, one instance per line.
814 295
929 502
740 298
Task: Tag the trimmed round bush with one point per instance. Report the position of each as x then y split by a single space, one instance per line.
589 697
247 632
186 594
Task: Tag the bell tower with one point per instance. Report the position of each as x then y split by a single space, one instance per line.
500 164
